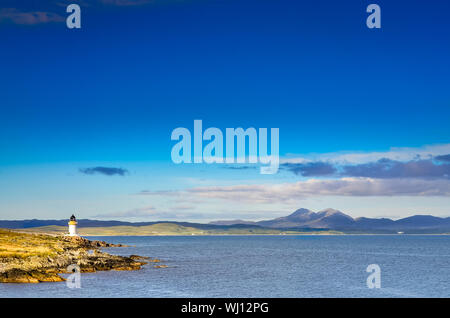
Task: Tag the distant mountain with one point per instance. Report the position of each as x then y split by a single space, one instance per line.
367 223
328 218
336 220
301 220
304 218
423 221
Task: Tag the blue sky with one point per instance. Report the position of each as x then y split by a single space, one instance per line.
355 99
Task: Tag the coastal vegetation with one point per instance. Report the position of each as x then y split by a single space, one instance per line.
34 257
172 229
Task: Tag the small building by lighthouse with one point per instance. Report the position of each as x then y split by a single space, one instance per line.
73 226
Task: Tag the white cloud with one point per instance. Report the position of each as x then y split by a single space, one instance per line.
134 213
152 213
30 17
356 157
293 192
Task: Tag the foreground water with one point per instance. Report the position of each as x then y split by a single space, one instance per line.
267 266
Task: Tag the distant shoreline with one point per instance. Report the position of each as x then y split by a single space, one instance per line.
300 222
305 234
172 229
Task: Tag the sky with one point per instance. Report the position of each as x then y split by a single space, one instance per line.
87 114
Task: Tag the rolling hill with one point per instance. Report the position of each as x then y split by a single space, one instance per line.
172 229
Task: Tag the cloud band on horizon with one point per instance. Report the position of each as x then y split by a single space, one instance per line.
291 192
383 169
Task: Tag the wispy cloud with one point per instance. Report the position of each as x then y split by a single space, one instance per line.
134 213
359 157
239 167
308 169
54 10
107 171
386 168
29 17
151 213
292 192
383 168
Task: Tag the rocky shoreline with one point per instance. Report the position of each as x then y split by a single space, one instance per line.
34 258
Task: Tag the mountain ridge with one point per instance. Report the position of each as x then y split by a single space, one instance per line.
337 220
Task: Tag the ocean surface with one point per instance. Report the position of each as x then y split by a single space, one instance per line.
267 266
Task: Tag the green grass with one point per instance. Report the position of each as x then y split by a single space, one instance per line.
166 229
23 245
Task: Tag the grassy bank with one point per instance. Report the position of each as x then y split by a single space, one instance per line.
168 229
34 257
19 245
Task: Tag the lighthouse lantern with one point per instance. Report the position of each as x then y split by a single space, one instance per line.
73 226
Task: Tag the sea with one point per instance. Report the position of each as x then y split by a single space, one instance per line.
267 266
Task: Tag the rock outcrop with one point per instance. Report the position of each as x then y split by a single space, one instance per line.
34 258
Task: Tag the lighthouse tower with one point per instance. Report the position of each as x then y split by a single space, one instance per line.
73 226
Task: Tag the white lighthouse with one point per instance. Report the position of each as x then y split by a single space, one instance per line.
73 226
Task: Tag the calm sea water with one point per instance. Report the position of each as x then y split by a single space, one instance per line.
267 266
